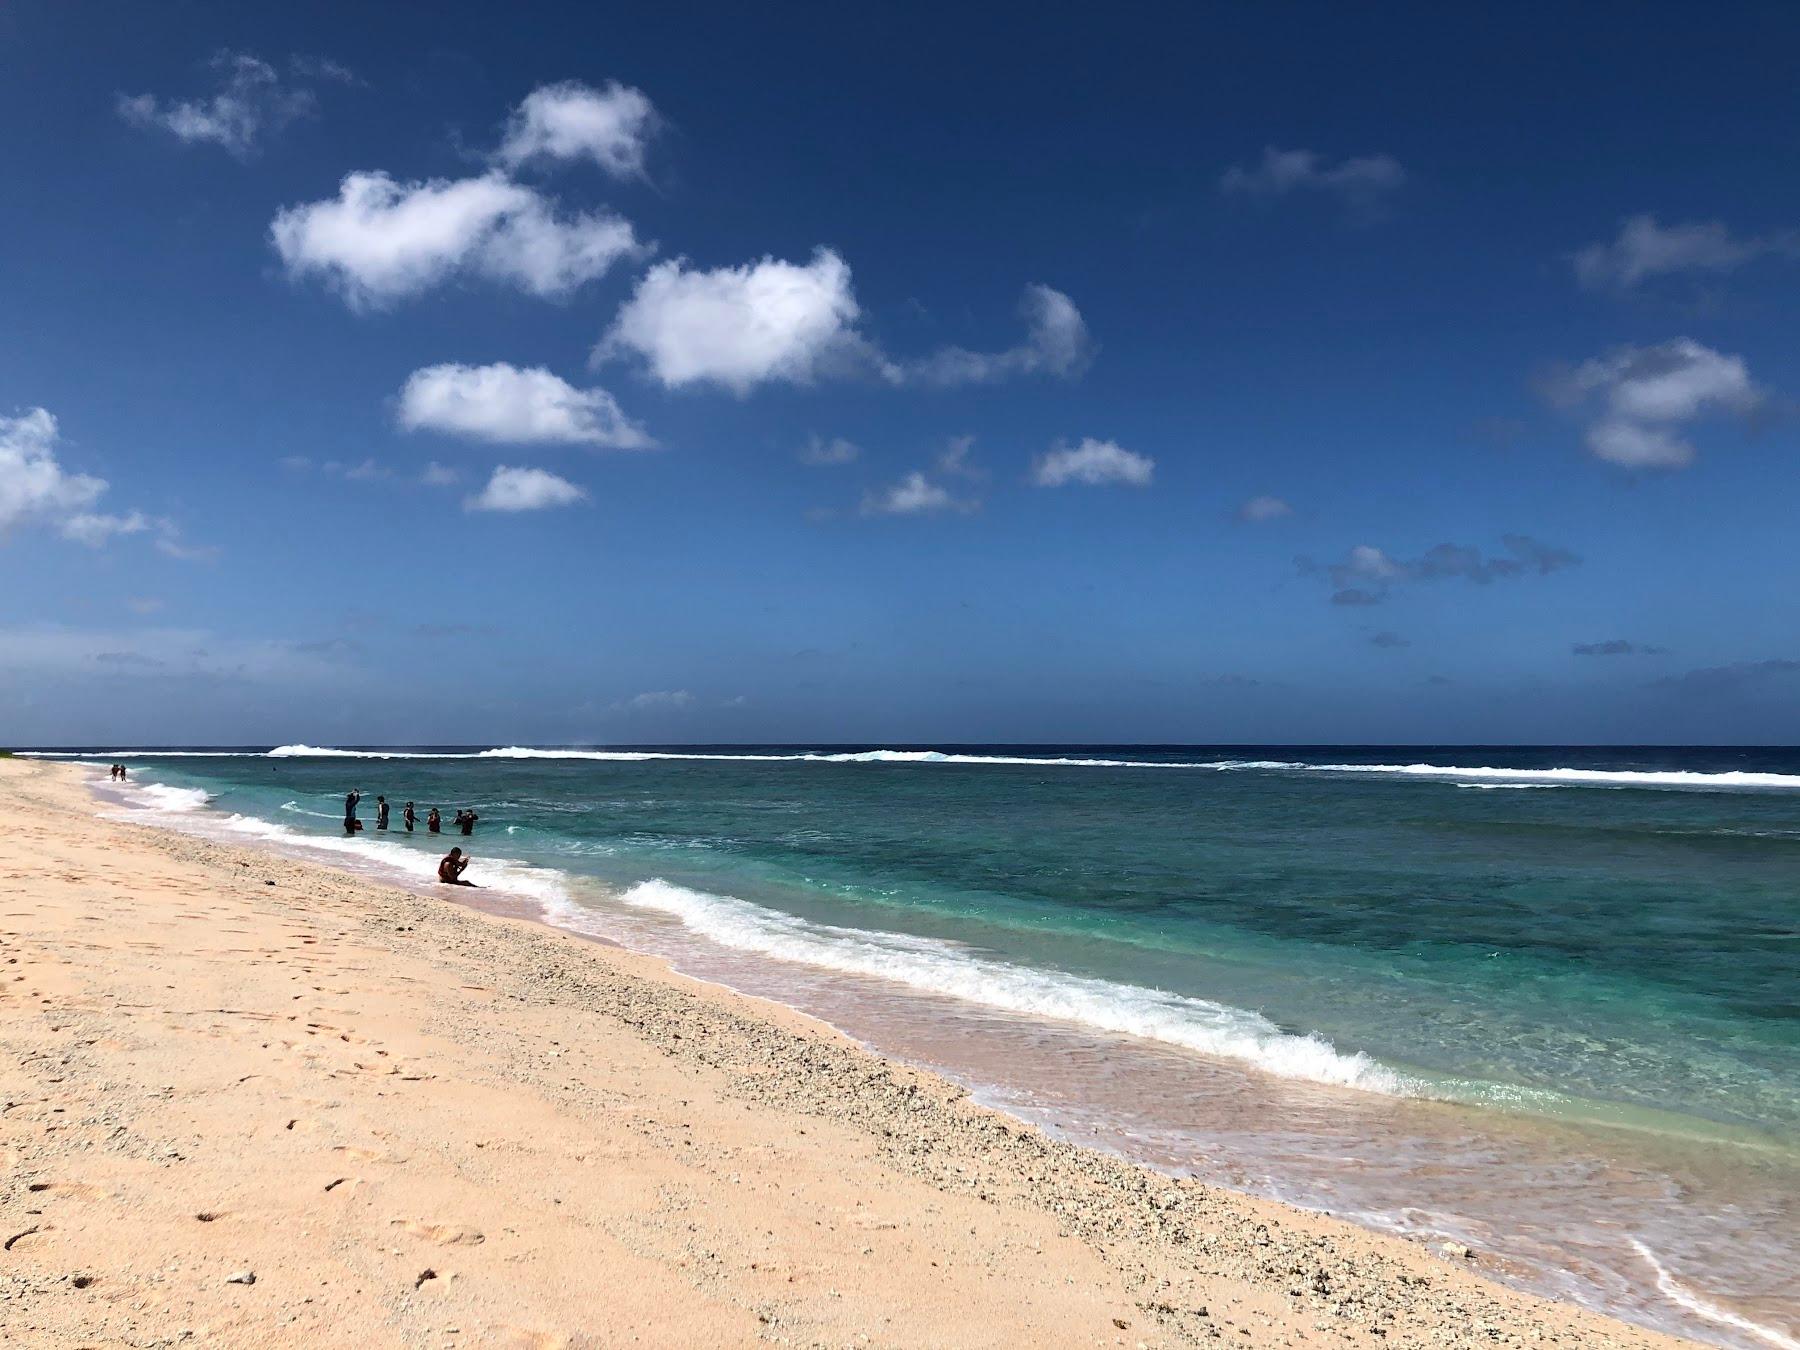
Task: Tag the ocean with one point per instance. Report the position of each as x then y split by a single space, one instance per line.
1542 1001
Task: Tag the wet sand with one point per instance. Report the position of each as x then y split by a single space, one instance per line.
249 1102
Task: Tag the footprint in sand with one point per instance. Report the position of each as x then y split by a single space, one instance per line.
520 1338
444 1234
366 1154
74 1190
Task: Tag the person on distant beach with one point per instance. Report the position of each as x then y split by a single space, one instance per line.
466 820
113 773
381 813
409 817
433 821
451 867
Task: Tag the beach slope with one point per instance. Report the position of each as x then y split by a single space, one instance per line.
247 1102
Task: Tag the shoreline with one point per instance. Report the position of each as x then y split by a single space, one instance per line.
949 1204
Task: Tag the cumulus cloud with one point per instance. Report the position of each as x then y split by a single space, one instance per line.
1641 398
914 495
1093 464
739 326
516 489
821 453
1367 573
1363 184
1260 509
507 405
251 101
33 484
1616 647
380 240
776 321
1056 343
35 489
574 121
1645 250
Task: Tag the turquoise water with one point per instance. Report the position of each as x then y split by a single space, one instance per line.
1609 937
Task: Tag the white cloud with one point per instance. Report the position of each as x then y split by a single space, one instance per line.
32 482
170 543
512 489
654 700
94 530
779 321
914 495
34 487
821 453
1643 398
575 121
1367 573
738 326
1094 464
1259 509
439 475
251 100
379 240
505 404
1056 343
955 459
1363 184
1645 249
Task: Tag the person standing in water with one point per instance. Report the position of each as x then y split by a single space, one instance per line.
434 823
466 821
351 823
409 817
381 813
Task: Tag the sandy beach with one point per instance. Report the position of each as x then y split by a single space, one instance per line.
248 1102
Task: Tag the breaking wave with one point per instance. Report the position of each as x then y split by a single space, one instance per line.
945 968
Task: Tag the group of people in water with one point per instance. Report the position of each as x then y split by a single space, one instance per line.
450 867
117 773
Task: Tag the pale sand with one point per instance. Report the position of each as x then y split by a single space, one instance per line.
421 1125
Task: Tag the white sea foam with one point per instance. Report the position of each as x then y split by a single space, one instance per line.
173 800
1676 1292
848 757
945 968
1653 778
790 757
1510 787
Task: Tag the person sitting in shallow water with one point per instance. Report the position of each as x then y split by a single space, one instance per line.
451 868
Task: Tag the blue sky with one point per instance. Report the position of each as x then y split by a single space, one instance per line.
687 373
